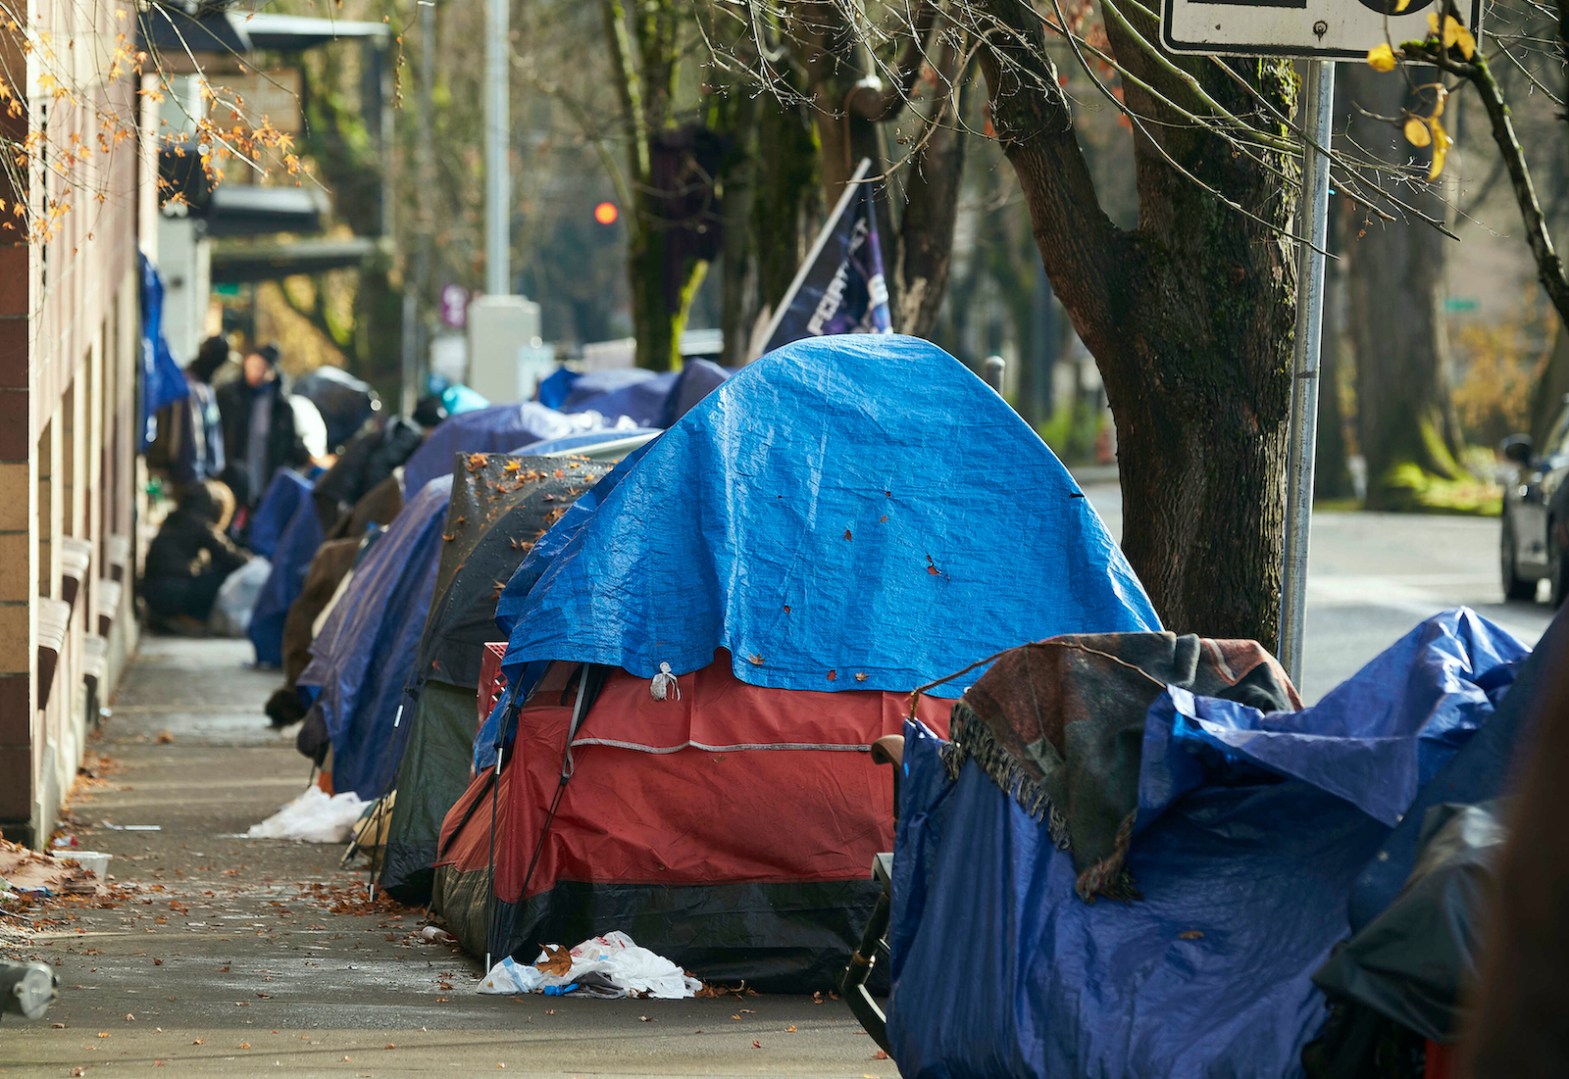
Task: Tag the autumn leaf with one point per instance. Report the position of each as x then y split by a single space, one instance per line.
557 961
1441 144
1401 5
1191 934
847 534
1417 133
1381 57
1465 42
833 676
755 660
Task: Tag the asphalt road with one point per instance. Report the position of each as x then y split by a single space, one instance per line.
1373 576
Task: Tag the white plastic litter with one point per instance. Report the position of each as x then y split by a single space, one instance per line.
434 934
231 611
614 955
313 817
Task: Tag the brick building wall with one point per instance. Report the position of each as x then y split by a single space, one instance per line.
69 345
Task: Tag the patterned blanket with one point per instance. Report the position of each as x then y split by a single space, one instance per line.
1059 726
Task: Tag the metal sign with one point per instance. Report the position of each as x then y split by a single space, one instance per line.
454 306
1324 29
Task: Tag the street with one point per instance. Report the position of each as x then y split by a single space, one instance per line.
1372 576
218 955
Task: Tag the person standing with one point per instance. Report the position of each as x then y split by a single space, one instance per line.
259 435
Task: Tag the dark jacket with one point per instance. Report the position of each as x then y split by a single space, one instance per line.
189 546
285 449
366 462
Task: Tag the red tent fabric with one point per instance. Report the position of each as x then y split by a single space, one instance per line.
728 826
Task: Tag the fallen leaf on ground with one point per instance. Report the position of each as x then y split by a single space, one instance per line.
245 1045
199 1041
1191 934
757 1045
557 961
78 1071
880 1055
643 1019
165 737
790 1029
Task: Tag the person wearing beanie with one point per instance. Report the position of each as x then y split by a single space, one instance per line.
259 435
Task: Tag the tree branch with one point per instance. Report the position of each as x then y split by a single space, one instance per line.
1549 264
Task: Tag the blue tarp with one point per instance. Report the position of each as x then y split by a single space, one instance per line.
1252 831
491 430
291 558
631 392
556 387
287 492
162 382
361 660
647 399
855 512
583 442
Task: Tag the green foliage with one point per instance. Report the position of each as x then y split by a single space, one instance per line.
1072 432
1408 488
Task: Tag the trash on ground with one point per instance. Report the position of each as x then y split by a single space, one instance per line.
313 817
606 967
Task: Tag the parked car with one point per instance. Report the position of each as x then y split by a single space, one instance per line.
1534 541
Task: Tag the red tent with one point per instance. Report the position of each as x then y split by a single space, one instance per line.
730 827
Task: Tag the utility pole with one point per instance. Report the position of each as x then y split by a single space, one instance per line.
498 182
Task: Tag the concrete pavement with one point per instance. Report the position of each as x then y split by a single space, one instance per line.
219 955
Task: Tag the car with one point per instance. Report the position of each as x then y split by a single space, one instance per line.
1533 542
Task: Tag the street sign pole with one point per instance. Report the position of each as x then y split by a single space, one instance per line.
1318 101
498 182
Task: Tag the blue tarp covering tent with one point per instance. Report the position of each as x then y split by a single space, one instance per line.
1252 831
492 430
632 392
291 558
287 492
362 656
647 399
556 387
760 521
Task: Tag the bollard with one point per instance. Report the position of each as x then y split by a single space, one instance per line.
992 370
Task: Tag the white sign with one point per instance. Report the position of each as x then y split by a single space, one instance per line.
1324 29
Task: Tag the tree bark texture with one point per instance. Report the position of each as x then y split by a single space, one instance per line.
1405 416
1189 316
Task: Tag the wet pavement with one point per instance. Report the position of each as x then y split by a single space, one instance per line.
220 955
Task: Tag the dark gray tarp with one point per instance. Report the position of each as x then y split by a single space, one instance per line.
497 512
499 507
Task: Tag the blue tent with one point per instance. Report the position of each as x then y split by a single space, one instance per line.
364 652
1252 831
287 492
647 399
632 392
491 430
291 558
555 388
853 512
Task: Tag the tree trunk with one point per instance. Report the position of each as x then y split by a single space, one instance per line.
1190 318
1405 417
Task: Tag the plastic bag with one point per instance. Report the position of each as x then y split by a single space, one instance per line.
612 961
313 817
231 611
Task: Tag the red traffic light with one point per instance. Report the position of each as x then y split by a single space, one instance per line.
606 213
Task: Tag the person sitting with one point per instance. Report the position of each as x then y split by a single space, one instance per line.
189 559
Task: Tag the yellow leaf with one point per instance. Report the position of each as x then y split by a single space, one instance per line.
1439 99
1417 133
1466 42
1441 144
1401 5
1381 57
1432 23
1452 31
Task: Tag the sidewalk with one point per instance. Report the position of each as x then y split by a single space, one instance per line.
218 955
